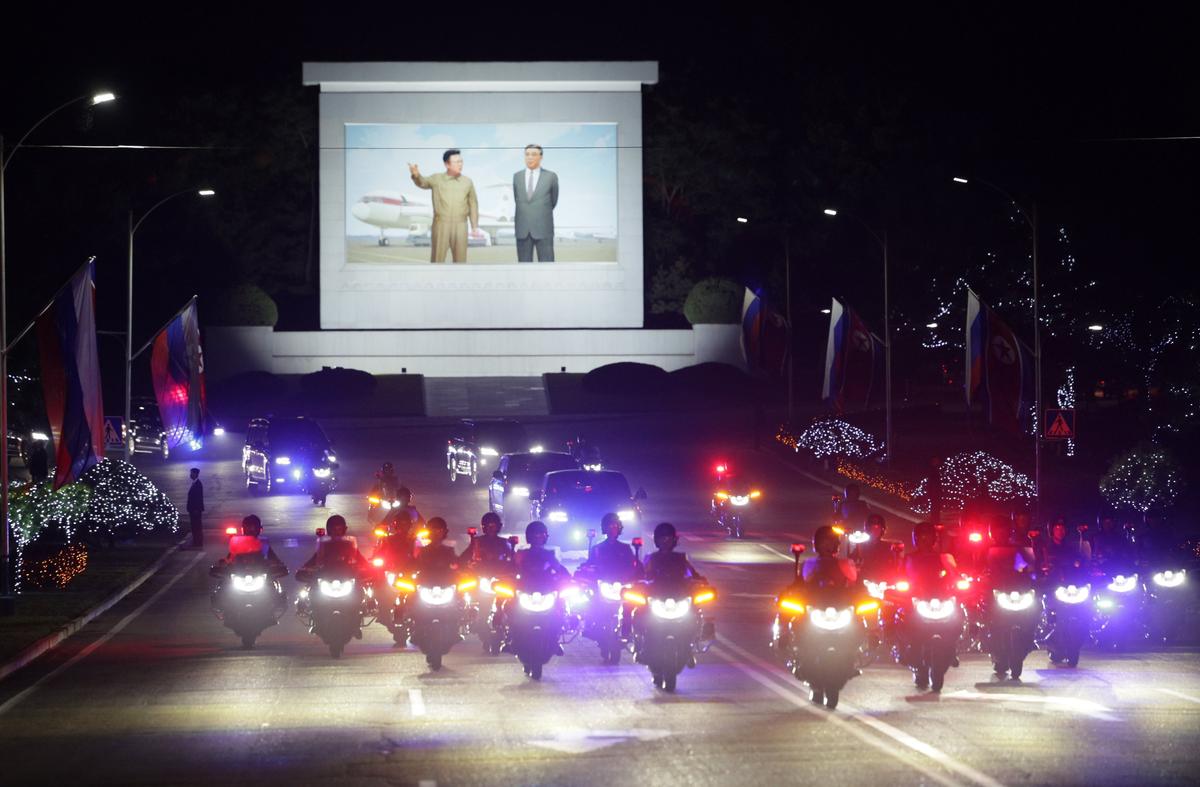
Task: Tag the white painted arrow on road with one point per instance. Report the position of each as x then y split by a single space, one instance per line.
577 741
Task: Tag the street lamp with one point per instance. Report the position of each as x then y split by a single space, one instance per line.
1030 217
133 227
887 331
7 605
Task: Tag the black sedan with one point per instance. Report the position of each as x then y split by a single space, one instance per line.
517 477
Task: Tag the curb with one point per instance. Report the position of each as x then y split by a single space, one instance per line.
907 516
56 638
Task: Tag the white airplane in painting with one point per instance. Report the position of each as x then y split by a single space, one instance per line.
391 210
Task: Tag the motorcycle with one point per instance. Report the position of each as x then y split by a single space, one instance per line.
820 632
435 606
249 598
1012 618
603 598
730 506
336 604
1068 617
323 482
534 619
1170 603
929 625
669 627
380 503
1120 610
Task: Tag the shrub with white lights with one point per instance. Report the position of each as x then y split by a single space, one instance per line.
831 437
1145 479
125 502
975 475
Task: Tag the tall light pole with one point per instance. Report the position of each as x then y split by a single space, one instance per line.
1031 219
882 240
6 577
133 227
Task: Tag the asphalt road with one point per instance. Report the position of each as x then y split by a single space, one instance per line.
158 692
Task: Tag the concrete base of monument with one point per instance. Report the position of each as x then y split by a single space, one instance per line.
479 352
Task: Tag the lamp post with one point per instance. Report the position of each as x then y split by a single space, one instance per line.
6 583
133 227
1031 219
882 240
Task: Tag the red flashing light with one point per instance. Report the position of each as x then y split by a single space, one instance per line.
472 532
320 532
798 548
722 467
637 542
975 538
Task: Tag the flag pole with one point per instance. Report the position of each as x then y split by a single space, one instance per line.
154 335
1037 374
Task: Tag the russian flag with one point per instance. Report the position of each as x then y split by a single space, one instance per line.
999 370
177 369
765 336
71 377
853 358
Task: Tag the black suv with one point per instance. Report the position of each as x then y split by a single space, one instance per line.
572 502
145 433
479 443
519 477
288 453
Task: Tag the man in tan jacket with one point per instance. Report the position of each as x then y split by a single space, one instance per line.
454 202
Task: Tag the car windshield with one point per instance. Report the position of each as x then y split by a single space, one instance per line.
587 486
146 414
501 435
534 466
297 434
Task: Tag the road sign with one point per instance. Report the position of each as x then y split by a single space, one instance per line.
1060 424
113 431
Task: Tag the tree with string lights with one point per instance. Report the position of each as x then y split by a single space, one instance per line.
1145 479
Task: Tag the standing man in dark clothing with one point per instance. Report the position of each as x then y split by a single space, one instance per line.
195 507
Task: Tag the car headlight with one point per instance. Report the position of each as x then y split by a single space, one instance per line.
219 431
488 451
626 514
322 472
249 583
558 516
935 608
670 608
520 491
337 588
537 602
296 474
831 619
1123 584
1170 579
41 437
1072 594
536 449
1014 601
283 460
611 590
593 466
436 596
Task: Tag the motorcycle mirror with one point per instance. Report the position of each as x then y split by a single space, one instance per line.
514 540
320 532
471 532
637 542
798 549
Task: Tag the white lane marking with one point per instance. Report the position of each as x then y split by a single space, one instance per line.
416 701
1070 704
427 783
769 673
775 551
749 595
580 741
1181 695
90 649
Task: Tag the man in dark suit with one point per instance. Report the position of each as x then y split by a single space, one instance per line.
195 507
535 194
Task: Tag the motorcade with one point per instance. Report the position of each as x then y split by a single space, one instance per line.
145 433
477 444
290 454
517 477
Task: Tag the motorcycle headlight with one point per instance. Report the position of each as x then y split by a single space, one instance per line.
1170 579
1072 594
520 491
283 460
537 602
322 472
669 608
626 514
338 588
1123 584
1014 601
558 516
249 583
296 474
485 585
875 589
858 537
488 451
830 618
611 590
740 500
390 576
935 608
386 504
435 596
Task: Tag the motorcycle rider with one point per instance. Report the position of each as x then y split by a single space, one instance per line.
1062 554
489 550
336 547
876 559
827 569
1005 557
613 560
437 555
536 560
1110 546
926 566
666 564
249 541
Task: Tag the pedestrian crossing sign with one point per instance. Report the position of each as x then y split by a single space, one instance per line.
112 431
1060 424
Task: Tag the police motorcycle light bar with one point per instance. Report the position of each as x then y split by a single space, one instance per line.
935 608
249 583
830 618
1123 584
1170 579
1072 594
337 588
1014 601
670 609
537 602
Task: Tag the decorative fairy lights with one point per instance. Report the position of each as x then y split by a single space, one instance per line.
875 480
1066 399
829 437
55 571
124 501
974 475
1145 479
